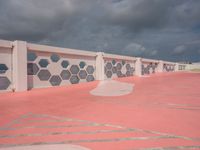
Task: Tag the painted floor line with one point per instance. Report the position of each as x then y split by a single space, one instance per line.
115 126
104 124
54 126
66 133
171 148
92 141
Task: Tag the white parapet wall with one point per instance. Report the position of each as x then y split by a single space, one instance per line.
24 66
192 67
53 66
149 66
116 66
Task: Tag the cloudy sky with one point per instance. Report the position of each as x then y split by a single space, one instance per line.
160 29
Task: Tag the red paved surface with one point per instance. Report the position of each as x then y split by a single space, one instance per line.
162 111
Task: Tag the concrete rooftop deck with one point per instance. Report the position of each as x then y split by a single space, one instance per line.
161 111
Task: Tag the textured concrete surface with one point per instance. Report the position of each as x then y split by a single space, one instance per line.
161 113
112 88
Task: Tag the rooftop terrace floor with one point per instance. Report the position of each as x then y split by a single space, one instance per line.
162 111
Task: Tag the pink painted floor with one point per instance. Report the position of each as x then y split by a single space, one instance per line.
163 111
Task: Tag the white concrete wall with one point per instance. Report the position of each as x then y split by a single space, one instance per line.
34 66
192 66
149 66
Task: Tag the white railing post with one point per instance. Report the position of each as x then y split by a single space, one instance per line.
138 67
160 66
176 67
99 66
19 66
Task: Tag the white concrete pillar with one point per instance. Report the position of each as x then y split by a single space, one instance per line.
138 67
99 66
160 66
19 66
177 67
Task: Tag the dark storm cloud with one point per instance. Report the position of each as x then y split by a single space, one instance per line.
163 29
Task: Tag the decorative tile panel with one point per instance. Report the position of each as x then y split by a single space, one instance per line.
168 68
149 68
50 69
118 68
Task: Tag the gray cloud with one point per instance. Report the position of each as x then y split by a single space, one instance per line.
113 26
179 49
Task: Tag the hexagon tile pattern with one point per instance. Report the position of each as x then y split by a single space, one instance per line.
72 72
168 68
149 68
115 67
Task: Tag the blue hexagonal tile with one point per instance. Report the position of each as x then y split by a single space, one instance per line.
90 78
55 58
65 74
119 74
128 66
55 80
74 79
74 69
31 56
109 74
109 65
32 69
43 63
44 75
114 69
82 64
65 64
119 66
82 74
90 69
113 62
3 68
4 83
